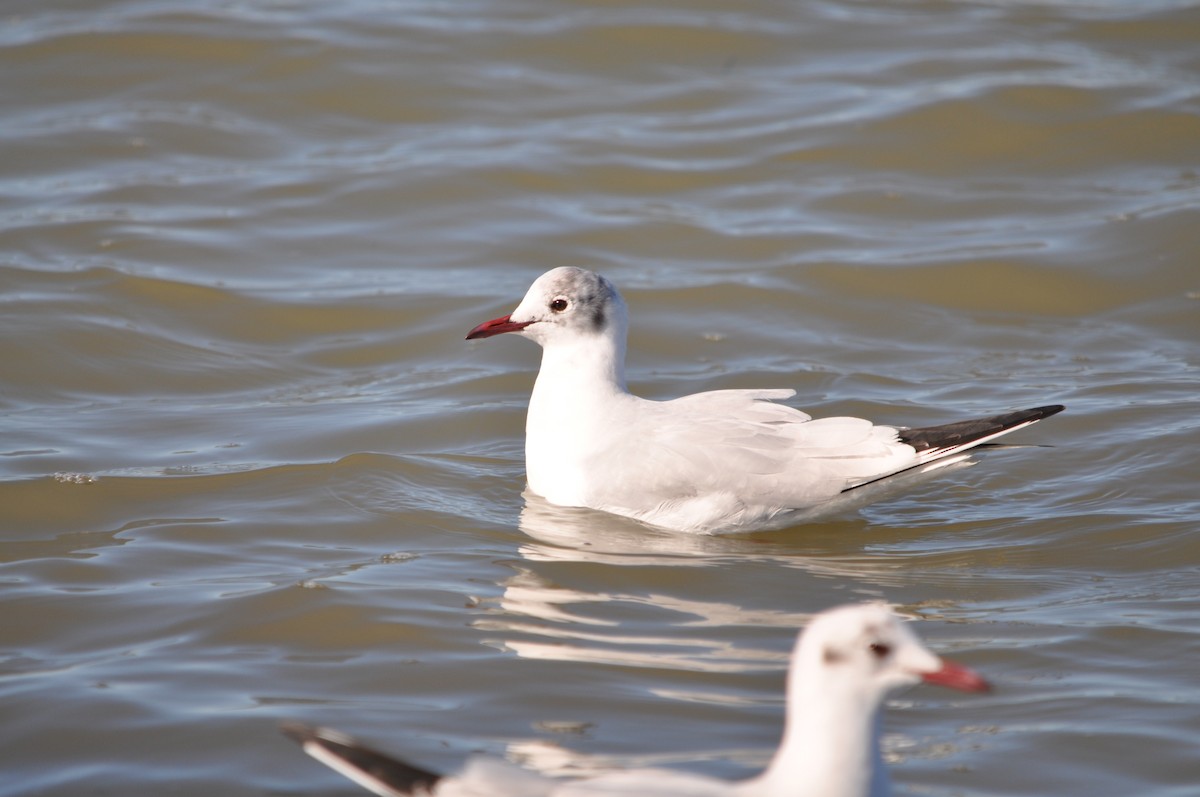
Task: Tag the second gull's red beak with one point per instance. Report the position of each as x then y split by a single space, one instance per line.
497 326
956 676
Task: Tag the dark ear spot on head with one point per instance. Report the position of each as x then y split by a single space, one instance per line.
598 318
832 656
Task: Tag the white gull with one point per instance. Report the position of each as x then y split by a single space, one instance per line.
724 460
843 667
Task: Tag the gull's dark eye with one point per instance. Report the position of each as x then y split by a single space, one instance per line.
880 649
558 305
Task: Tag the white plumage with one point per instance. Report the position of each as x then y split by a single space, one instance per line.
726 460
843 667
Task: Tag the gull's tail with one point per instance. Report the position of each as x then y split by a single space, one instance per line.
936 442
939 444
374 771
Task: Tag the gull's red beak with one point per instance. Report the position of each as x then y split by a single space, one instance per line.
497 326
956 676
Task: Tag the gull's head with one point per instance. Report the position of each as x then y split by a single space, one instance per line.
868 649
565 303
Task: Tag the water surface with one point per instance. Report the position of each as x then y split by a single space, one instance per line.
252 472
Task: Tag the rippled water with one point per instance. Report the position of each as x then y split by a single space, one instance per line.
252 472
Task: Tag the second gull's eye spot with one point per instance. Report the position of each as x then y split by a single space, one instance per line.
558 305
880 649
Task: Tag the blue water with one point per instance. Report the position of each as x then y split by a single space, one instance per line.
252 472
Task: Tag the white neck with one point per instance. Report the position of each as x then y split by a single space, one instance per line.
830 745
577 387
592 363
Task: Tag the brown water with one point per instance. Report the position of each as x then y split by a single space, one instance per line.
252 472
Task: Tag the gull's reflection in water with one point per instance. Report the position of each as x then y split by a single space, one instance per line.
554 760
721 612
598 590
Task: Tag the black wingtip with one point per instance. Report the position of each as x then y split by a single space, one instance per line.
376 771
933 443
961 434
298 732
